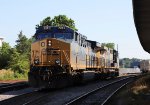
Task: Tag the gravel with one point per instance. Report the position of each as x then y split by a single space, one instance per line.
51 97
11 94
65 95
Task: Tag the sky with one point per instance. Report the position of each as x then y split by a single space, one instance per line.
103 21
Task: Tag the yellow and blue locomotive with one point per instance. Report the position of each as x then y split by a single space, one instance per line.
60 55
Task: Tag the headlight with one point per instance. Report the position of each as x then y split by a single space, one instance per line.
49 43
57 61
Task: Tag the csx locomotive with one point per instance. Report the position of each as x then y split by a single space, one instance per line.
61 55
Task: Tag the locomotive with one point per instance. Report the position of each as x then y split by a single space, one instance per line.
61 55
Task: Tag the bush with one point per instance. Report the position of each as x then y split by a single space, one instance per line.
142 85
19 62
18 75
5 54
11 75
6 75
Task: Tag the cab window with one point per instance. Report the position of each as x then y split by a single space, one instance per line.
63 35
43 35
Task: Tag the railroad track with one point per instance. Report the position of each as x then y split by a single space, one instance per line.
100 95
14 86
60 97
22 98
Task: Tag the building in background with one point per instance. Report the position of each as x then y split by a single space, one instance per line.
1 40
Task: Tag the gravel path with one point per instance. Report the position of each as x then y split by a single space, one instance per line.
11 81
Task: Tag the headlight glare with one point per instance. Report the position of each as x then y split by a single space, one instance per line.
36 61
57 61
49 42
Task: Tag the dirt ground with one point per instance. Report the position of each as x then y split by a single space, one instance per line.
12 81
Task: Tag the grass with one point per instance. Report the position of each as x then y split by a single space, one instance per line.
11 75
137 93
141 86
140 91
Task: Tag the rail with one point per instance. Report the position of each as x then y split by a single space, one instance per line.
84 97
14 86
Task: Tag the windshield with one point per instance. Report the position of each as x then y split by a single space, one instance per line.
63 35
43 35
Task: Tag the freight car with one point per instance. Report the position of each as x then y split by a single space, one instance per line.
145 66
60 55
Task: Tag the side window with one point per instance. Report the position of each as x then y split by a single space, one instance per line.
76 37
82 42
88 44
85 44
79 39
76 60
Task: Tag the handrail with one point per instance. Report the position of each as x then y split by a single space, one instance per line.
66 56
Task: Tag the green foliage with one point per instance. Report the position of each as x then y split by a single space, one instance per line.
60 20
19 62
46 21
129 63
126 62
5 55
21 54
20 76
109 45
23 44
135 62
11 75
17 58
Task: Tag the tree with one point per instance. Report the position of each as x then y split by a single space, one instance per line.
109 45
125 63
60 20
129 63
46 21
19 62
135 62
20 55
23 44
5 54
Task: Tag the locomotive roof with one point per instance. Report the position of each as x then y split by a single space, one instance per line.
45 29
94 44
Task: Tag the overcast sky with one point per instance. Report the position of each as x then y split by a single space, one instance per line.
100 20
